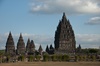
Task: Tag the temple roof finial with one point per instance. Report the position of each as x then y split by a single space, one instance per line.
64 15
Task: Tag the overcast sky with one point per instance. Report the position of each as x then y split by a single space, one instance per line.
38 19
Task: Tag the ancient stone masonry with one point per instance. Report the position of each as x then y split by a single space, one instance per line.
20 46
64 37
40 50
32 47
10 48
50 50
78 49
28 46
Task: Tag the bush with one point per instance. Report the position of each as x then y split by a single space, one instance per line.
76 58
59 57
84 58
81 58
93 58
88 58
65 58
21 58
46 57
54 57
38 57
31 58
8 58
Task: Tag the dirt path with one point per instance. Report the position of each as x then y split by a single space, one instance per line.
52 64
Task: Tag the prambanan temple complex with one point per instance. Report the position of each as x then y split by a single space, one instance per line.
64 42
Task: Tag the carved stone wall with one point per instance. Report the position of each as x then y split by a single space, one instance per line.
64 37
10 48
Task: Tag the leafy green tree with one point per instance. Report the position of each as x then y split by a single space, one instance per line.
93 50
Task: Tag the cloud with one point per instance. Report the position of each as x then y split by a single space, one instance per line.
38 39
94 21
86 40
68 6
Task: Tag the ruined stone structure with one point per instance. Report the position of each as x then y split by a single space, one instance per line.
64 37
50 50
10 47
79 49
30 48
40 50
20 50
20 46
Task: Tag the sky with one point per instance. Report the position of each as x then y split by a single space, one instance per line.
38 20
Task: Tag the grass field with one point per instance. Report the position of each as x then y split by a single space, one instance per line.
52 64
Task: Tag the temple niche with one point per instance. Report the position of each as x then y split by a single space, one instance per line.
64 37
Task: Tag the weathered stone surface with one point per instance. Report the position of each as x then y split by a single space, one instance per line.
40 50
64 37
30 48
10 48
20 46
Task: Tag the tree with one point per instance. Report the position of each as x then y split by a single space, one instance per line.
76 58
59 57
46 57
93 50
93 58
1 54
65 58
38 57
21 58
31 58
54 57
8 58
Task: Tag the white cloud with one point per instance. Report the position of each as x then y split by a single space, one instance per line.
68 6
86 40
94 21
38 39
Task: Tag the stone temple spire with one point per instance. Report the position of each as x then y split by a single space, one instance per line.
40 50
28 45
20 46
10 48
64 19
64 37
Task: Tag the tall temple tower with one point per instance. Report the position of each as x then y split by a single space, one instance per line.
10 48
20 46
30 48
64 37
